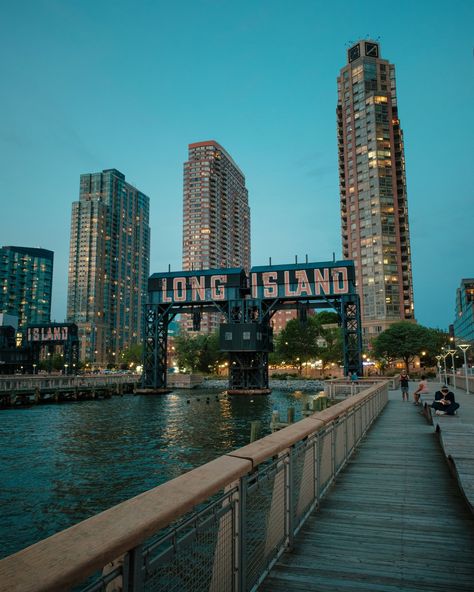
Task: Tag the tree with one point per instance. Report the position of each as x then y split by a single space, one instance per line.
298 341
332 353
131 355
402 340
327 317
186 352
198 353
438 340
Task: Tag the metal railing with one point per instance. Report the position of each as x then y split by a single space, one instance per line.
30 383
341 388
460 380
218 528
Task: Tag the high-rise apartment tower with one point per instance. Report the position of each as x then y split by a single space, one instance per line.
374 214
216 214
109 264
26 281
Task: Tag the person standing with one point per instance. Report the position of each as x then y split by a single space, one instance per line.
404 378
422 389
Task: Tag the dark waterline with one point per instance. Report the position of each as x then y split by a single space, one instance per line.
63 463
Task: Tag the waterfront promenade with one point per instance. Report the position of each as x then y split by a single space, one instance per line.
395 520
388 518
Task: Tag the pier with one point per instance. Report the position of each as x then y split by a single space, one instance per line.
34 390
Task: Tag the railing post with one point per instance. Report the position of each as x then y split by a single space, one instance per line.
241 529
346 437
290 520
317 468
333 451
133 570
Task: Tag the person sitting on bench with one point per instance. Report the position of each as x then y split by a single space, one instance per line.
444 402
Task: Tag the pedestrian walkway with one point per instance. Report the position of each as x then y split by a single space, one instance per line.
395 520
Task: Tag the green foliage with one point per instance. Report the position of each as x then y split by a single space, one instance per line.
198 353
132 355
438 340
327 317
54 362
333 350
297 342
406 341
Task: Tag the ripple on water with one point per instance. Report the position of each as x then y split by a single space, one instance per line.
63 463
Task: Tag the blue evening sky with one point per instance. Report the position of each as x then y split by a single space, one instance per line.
89 85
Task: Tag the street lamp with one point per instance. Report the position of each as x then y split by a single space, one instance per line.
65 368
438 365
444 356
34 368
451 352
464 347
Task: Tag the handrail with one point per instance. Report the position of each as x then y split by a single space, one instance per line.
342 387
278 480
18 383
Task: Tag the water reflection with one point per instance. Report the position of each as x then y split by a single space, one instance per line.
63 463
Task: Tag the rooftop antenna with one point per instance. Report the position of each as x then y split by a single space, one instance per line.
169 268
306 258
270 261
296 259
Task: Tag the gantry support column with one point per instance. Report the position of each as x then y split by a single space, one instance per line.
351 334
155 347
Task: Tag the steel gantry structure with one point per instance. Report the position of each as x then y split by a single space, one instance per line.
247 302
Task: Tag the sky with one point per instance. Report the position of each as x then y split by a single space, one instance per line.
89 85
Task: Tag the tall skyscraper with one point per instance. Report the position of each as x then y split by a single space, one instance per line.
109 264
216 214
374 214
26 282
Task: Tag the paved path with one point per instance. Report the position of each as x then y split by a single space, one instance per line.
395 520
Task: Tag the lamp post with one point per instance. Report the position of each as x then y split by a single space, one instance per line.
451 352
464 347
34 369
65 369
444 356
438 365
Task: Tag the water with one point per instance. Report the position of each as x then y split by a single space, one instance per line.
62 463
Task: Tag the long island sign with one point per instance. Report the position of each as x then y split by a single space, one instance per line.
298 281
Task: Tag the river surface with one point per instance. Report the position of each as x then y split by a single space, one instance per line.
62 463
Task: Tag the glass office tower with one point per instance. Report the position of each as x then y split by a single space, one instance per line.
26 282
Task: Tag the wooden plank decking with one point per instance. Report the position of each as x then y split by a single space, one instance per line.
395 521
457 440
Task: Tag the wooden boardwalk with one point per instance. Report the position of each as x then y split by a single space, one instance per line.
395 520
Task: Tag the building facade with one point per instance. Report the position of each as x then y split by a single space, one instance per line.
216 214
374 212
464 320
109 264
26 283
